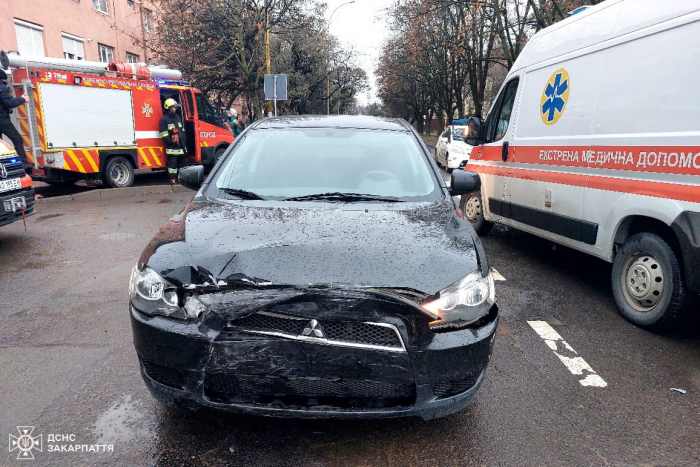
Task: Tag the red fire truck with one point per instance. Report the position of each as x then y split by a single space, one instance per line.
98 122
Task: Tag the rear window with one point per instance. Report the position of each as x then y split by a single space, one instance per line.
281 163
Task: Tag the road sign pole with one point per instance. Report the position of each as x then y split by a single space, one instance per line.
275 95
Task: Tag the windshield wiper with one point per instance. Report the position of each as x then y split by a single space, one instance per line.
243 194
338 196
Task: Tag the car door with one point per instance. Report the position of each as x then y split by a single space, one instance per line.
439 147
496 154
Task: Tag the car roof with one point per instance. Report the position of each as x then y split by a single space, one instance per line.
333 121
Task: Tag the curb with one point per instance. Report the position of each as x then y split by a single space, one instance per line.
117 193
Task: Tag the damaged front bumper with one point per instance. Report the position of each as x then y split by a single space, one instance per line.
329 355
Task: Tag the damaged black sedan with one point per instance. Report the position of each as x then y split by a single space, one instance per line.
321 270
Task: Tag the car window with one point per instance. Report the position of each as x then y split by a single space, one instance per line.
281 163
446 133
499 118
205 110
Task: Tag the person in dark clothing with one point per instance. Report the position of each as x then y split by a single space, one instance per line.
7 103
173 133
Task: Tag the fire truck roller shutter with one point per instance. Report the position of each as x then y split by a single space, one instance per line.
82 117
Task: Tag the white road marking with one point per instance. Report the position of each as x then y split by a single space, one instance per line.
497 276
576 365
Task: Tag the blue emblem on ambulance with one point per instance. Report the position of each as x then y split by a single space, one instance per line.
555 96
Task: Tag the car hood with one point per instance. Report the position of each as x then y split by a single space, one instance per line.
424 247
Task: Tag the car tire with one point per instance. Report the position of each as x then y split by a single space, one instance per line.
472 207
119 173
647 283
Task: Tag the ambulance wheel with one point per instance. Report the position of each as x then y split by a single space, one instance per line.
647 283
119 173
471 206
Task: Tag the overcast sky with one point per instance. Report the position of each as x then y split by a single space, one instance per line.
361 25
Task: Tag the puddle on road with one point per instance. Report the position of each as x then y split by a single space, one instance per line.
122 423
47 217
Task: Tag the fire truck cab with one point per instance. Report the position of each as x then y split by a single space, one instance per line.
98 122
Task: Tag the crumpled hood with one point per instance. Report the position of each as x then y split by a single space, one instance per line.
424 248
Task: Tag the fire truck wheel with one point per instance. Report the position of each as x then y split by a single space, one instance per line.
471 206
119 173
647 282
217 155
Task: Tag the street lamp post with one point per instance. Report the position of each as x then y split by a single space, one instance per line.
328 89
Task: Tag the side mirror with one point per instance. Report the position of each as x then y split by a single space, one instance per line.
192 177
475 133
464 182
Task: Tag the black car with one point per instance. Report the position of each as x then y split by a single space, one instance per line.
321 270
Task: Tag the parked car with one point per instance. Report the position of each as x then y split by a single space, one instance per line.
321 270
451 151
593 143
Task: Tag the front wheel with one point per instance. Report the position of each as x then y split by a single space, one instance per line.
119 173
647 282
472 208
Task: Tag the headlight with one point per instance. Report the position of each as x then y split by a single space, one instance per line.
457 150
153 295
463 302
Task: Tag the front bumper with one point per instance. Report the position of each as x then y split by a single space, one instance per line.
8 216
436 375
458 162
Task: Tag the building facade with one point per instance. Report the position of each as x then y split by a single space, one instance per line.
94 30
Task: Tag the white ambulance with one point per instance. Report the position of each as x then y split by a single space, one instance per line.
594 142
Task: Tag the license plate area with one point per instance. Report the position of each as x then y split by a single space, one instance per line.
9 185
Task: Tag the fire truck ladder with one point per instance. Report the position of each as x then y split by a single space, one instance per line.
35 148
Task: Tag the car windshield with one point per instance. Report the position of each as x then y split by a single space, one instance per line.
293 163
458 133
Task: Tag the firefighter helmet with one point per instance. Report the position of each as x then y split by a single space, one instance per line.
169 103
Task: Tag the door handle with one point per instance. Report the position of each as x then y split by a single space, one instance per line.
504 151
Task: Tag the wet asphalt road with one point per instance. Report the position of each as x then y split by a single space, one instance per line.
68 366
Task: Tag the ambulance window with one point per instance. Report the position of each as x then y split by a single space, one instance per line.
497 127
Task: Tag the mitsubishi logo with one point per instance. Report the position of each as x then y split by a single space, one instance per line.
3 171
313 329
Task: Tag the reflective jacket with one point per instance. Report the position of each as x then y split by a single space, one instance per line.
7 102
173 133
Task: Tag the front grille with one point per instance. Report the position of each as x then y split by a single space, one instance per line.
13 165
268 322
307 391
356 331
336 332
452 387
164 375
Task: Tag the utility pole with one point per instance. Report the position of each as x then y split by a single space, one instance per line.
328 76
267 48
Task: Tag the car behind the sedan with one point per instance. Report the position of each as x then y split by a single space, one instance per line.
322 270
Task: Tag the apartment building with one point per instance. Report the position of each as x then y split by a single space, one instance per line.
94 30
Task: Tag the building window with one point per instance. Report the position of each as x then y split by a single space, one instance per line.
30 38
131 58
73 47
101 5
130 4
106 53
147 23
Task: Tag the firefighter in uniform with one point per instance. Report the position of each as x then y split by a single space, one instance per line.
173 133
